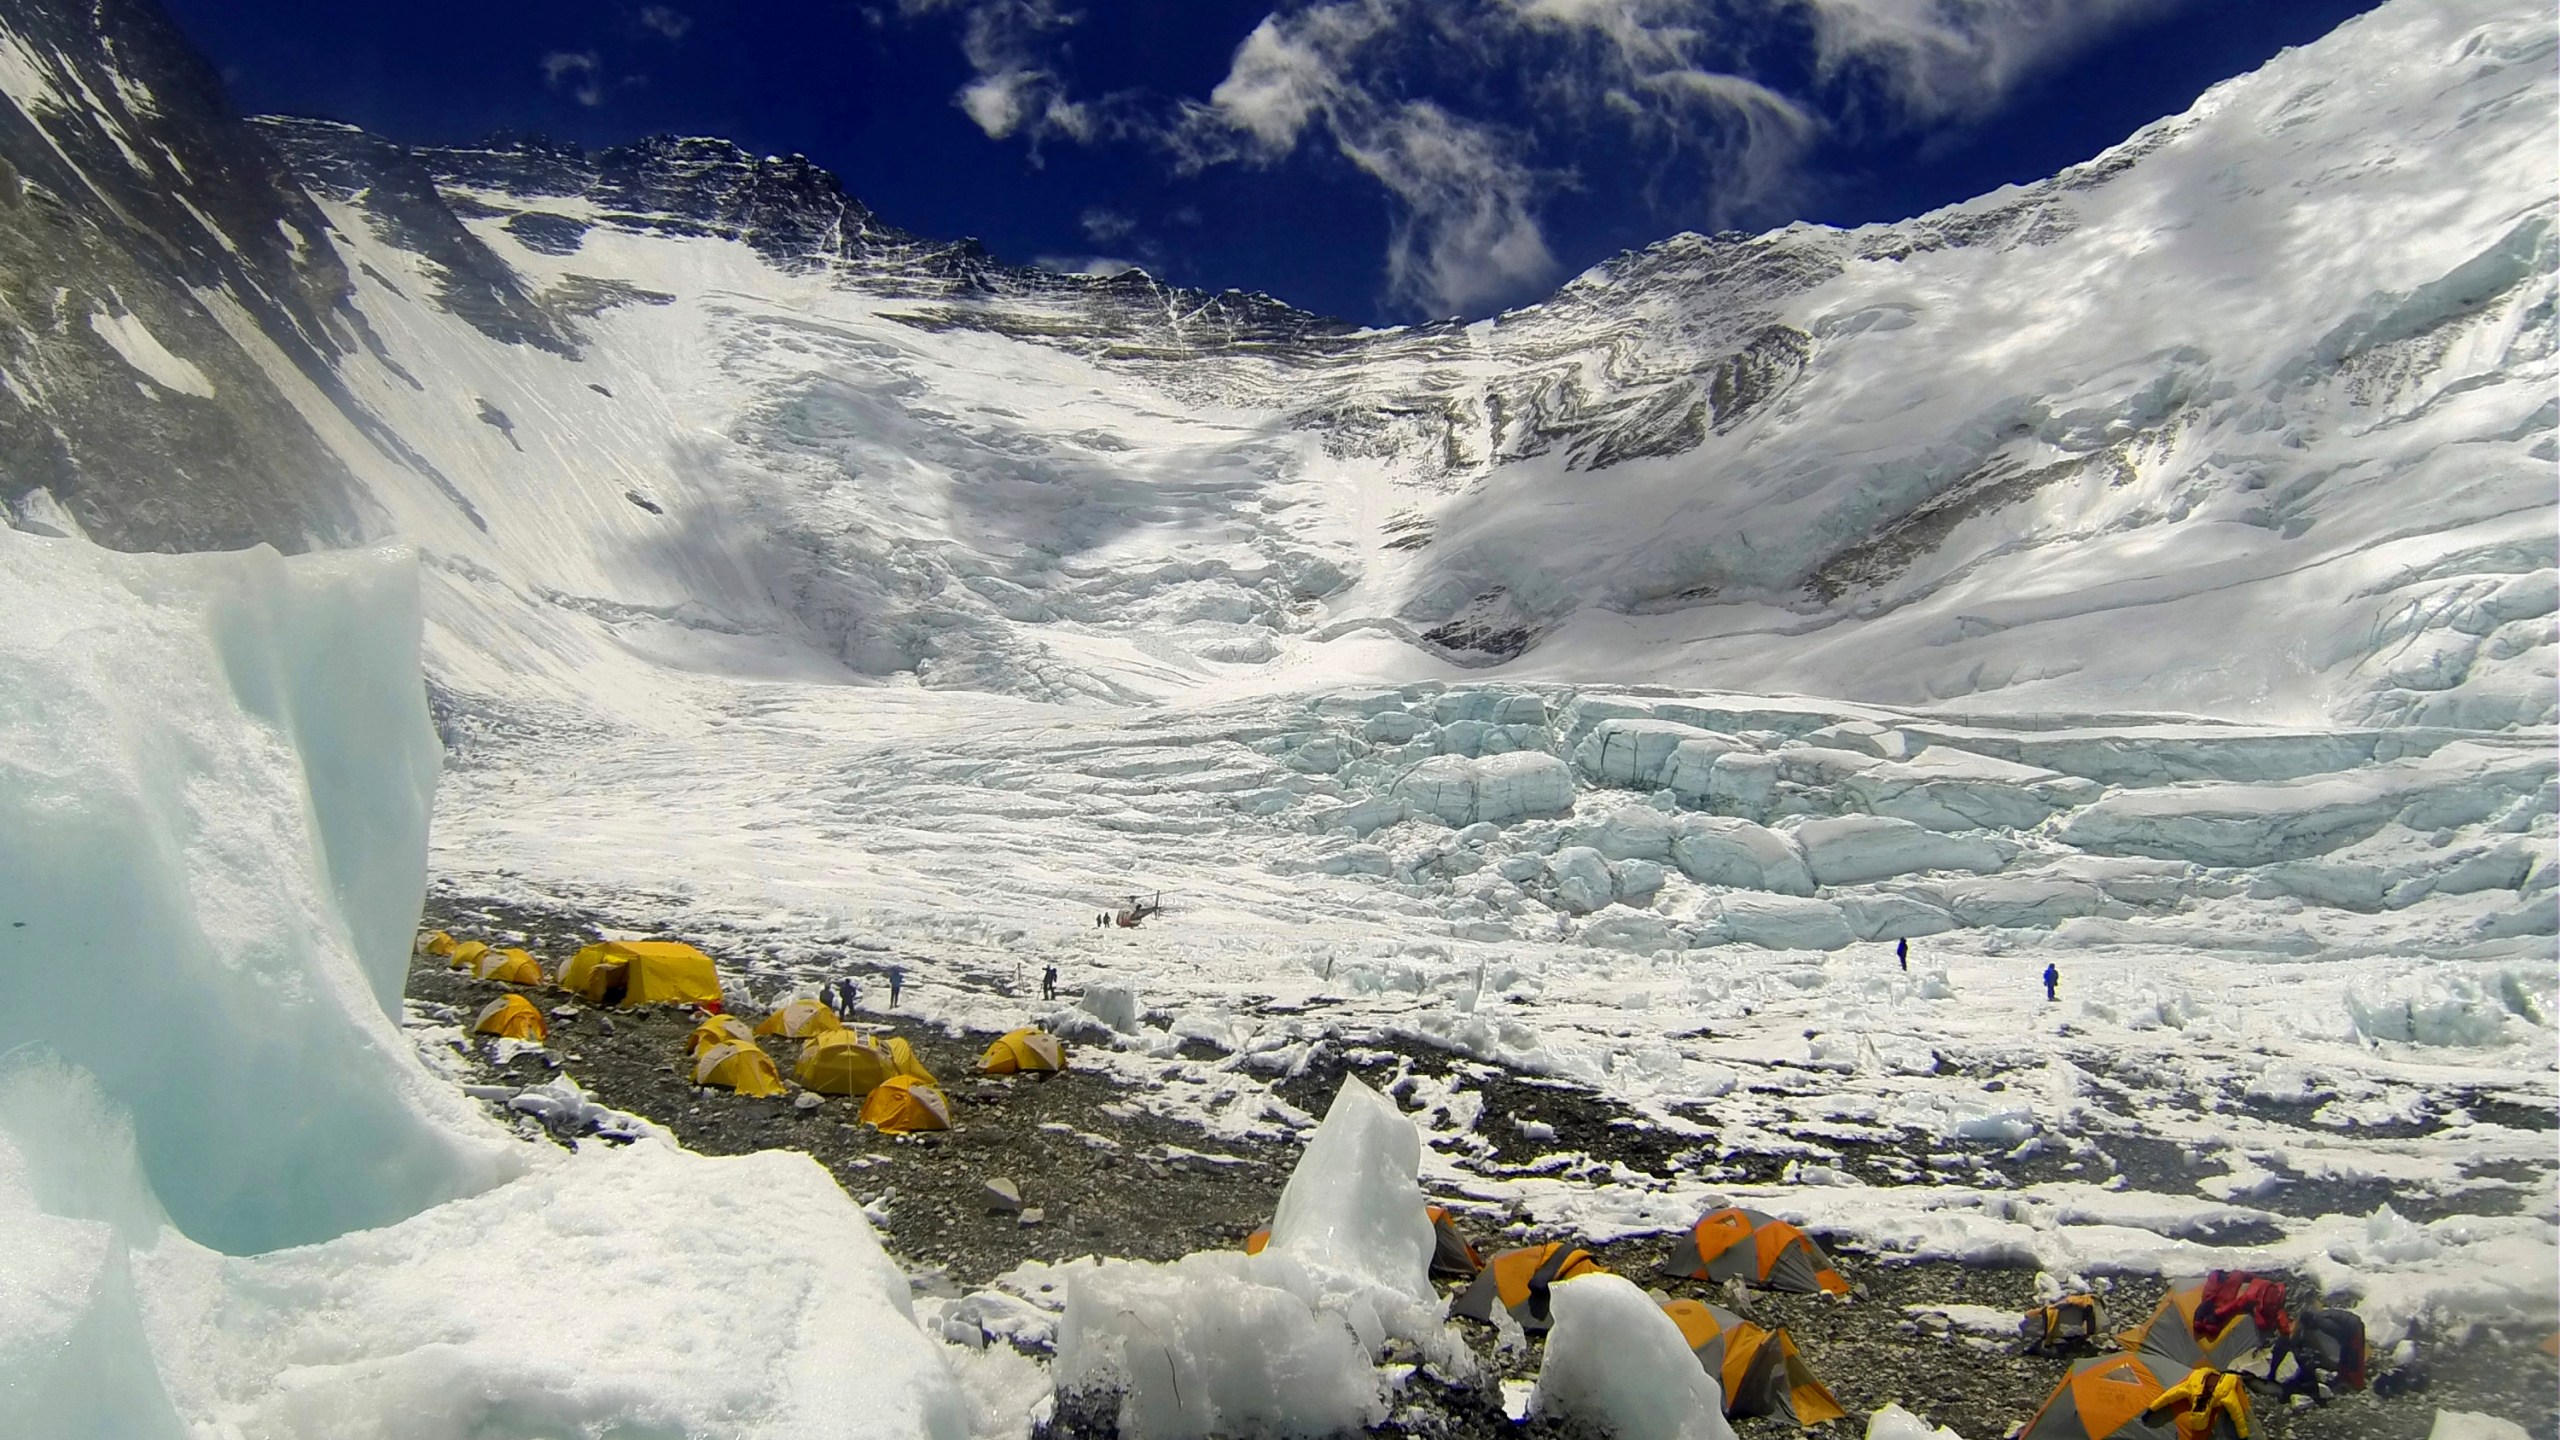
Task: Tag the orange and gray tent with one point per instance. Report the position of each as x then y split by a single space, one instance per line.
2123 1397
800 1019
839 1062
2066 1324
716 1030
436 943
1452 1258
1756 1249
2171 1341
512 966
1019 1052
512 1016
1518 1281
466 953
642 972
902 1103
744 1068
1761 1371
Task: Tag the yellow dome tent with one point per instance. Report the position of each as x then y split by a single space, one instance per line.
799 1020
903 1061
839 1062
903 1103
513 1017
1023 1052
744 1068
642 972
436 943
511 966
716 1030
467 953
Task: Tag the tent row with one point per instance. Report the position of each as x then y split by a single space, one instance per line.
1760 1368
2177 1374
898 1093
613 972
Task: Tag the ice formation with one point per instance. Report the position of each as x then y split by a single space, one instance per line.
234 1197
1616 1365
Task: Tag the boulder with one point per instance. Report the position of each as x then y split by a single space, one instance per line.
1637 881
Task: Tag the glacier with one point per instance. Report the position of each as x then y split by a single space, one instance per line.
2147 571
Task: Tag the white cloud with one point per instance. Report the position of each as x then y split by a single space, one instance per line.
665 20
580 72
1953 59
1451 106
1101 267
1103 226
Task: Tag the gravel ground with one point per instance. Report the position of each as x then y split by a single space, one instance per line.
1075 1155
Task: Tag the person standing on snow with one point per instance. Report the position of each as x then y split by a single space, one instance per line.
2052 982
1902 952
1049 982
897 978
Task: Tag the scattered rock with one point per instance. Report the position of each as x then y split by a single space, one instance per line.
1003 1196
808 1100
1029 1217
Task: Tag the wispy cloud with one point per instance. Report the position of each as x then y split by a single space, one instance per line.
578 72
1467 113
665 20
1099 266
1102 226
1956 59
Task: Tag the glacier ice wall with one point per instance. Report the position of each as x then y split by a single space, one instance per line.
215 774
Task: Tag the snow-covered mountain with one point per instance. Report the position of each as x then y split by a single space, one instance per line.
2284 357
2146 573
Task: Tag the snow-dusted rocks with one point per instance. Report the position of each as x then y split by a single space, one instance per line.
1847 849
1617 1366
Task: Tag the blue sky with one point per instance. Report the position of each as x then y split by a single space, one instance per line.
1380 160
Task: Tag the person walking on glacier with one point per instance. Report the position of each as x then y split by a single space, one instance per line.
2052 982
1902 952
897 978
1049 982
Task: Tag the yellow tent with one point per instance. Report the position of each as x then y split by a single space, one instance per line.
467 953
839 1062
800 1019
512 966
716 1030
512 1016
1024 1051
437 943
743 1068
902 1060
642 972
903 1103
